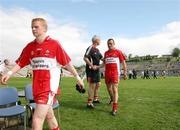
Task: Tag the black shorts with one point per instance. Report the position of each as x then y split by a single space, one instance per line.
93 76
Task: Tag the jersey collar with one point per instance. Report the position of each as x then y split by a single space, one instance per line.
46 39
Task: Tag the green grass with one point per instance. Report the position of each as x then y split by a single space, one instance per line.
143 105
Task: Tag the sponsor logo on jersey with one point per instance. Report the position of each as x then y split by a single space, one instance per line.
110 60
42 63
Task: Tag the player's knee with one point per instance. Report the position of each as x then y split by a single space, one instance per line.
98 85
52 121
91 85
37 118
49 116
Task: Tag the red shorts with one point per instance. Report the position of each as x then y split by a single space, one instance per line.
46 98
111 77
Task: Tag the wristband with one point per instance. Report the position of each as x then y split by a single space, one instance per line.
9 73
77 77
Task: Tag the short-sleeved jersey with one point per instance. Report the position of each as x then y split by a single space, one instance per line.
94 55
112 59
43 59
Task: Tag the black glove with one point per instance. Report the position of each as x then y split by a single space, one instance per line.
80 89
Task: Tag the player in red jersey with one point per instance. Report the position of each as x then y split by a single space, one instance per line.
112 59
43 54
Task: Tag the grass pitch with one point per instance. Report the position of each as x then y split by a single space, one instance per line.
143 105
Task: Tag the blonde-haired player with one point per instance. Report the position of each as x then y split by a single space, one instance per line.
43 54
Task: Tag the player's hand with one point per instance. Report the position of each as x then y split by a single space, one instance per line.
125 76
80 86
95 67
80 83
4 79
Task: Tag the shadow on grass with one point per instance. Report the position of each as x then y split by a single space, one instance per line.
82 106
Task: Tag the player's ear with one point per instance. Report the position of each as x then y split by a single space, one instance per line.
45 29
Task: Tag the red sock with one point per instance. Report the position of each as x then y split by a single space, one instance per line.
115 106
89 101
57 128
95 98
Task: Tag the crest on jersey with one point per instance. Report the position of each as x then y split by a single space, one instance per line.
32 52
47 52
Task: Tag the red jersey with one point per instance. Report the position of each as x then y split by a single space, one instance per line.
112 60
43 59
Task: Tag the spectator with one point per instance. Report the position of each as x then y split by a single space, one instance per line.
134 74
130 74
